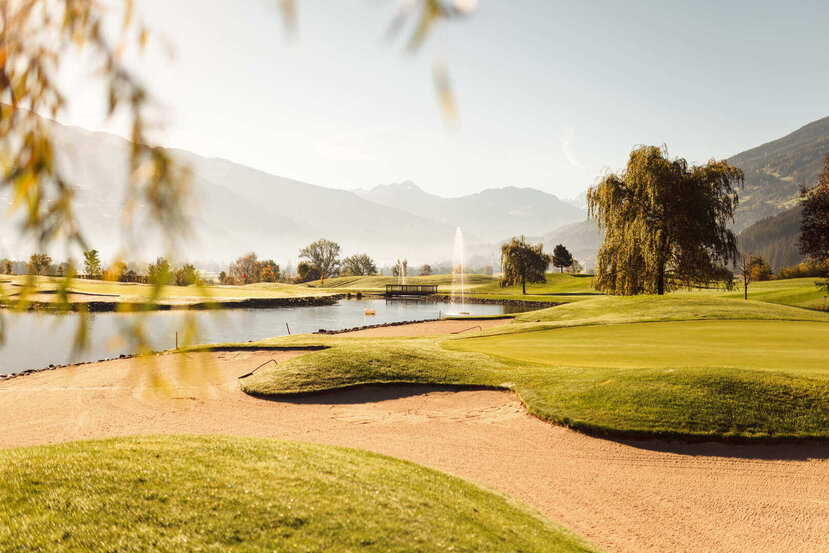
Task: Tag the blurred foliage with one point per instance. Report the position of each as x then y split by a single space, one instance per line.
37 37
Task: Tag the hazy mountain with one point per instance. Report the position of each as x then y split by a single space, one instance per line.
582 239
775 238
488 215
775 171
235 209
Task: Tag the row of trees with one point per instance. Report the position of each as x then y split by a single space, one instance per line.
160 272
320 260
523 263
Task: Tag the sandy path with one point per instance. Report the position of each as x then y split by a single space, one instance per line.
430 328
625 497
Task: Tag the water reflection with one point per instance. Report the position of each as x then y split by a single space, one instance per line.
36 340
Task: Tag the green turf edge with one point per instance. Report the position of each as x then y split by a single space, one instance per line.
210 493
351 362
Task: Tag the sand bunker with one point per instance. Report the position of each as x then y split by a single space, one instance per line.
627 497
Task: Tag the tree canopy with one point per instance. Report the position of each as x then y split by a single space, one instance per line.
324 255
665 223
814 226
562 258
522 263
38 263
92 264
359 265
246 269
305 272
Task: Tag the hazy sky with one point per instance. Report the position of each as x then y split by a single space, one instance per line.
550 93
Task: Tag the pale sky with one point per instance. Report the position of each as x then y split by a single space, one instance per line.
550 93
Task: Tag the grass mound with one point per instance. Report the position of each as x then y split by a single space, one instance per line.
219 493
695 379
673 307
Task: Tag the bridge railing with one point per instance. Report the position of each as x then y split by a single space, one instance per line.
411 288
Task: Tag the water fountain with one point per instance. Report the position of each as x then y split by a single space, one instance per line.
402 268
458 274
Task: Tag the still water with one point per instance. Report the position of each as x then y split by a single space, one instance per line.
37 340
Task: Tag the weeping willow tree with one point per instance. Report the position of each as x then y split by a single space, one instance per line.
814 226
522 263
665 223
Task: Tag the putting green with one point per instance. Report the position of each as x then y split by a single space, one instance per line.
786 345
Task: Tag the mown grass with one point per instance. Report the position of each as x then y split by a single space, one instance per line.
559 288
671 307
189 493
801 292
801 347
746 374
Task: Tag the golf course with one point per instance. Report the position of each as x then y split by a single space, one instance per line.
599 377
414 276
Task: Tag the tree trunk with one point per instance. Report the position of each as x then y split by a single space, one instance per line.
745 286
660 281
524 286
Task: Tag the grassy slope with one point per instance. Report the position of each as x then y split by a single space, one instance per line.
797 291
672 307
218 493
559 288
645 396
565 288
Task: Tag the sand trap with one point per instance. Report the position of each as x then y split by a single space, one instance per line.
429 328
626 497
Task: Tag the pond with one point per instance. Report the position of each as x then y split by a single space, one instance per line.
36 340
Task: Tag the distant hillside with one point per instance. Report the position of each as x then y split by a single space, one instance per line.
582 239
236 209
488 215
767 213
775 171
775 238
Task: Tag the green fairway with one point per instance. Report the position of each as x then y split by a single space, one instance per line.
559 288
726 368
672 307
797 291
792 346
175 493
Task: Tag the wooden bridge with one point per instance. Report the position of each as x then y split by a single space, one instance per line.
410 289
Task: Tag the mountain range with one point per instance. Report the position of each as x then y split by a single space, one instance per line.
488 216
236 209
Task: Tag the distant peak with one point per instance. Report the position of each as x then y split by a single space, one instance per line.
405 185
